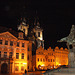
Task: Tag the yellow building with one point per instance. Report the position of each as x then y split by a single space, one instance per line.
61 56
44 59
15 52
49 59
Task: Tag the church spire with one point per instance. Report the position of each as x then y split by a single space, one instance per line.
36 20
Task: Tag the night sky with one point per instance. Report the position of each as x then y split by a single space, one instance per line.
55 16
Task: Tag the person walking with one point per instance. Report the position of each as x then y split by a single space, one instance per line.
25 72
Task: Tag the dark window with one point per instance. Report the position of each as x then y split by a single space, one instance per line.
41 59
38 59
28 57
11 43
17 55
51 60
0 54
22 44
18 44
10 55
6 42
24 30
28 67
22 56
20 35
48 60
38 34
5 54
28 48
0 41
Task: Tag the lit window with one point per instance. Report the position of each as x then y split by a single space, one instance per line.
10 55
0 41
5 54
0 54
11 43
22 68
18 44
17 55
22 56
6 42
16 68
38 34
22 44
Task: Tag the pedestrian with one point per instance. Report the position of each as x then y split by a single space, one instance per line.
25 72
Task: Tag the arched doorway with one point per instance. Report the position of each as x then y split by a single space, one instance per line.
4 68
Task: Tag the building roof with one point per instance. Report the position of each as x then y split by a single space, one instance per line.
13 32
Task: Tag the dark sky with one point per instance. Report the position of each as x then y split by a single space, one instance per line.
55 16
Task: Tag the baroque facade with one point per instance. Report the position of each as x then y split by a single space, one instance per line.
50 58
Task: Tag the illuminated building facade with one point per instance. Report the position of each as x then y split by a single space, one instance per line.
15 51
49 59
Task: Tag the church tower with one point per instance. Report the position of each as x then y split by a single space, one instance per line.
23 26
38 33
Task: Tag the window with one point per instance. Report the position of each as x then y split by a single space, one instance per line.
22 44
38 34
38 59
17 55
10 55
48 60
20 35
28 57
43 60
6 42
5 54
18 44
24 30
0 41
28 48
22 56
11 43
51 60
28 67
22 68
0 54
16 68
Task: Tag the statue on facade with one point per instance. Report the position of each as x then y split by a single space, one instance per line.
70 41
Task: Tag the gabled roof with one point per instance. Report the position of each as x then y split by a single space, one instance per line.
13 32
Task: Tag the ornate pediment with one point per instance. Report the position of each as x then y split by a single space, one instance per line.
7 35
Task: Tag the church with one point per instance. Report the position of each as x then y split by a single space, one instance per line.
23 49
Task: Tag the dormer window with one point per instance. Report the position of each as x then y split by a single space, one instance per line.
20 35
